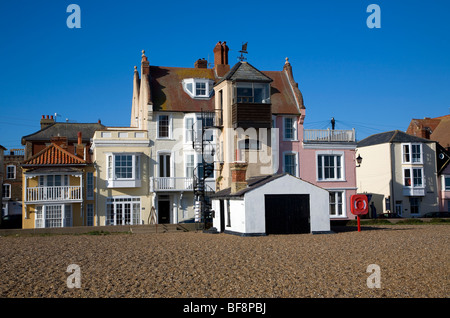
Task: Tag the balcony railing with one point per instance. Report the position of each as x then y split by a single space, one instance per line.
57 193
175 183
328 135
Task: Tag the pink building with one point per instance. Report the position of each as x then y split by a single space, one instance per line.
323 157
327 159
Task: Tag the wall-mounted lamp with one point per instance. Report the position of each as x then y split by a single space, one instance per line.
359 160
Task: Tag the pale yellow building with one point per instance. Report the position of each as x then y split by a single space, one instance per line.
122 165
399 172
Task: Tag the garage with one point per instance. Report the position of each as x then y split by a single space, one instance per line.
274 204
287 213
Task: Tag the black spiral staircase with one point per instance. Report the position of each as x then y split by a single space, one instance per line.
204 169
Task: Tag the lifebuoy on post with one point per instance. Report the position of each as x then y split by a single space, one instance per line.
359 206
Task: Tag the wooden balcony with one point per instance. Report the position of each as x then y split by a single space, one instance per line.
255 115
54 194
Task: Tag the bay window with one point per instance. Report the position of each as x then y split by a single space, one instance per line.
412 153
123 170
252 93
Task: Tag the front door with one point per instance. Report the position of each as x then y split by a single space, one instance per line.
123 213
163 211
222 216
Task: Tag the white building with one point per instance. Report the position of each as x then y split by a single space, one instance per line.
277 204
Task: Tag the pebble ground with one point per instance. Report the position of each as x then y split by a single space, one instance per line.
414 261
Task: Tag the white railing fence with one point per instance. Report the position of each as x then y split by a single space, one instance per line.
57 193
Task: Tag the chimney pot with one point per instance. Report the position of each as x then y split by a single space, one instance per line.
221 58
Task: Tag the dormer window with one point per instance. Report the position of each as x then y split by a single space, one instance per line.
198 87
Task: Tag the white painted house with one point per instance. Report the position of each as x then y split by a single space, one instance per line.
276 204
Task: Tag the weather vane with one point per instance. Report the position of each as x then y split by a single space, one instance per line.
243 51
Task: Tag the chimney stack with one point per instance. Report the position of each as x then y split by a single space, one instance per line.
145 64
238 179
79 146
46 121
60 141
221 59
201 63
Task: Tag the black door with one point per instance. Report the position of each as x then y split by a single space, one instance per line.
222 216
163 212
287 213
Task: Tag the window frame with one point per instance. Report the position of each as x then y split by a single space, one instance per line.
192 82
169 126
294 127
408 155
42 219
296 165
113 180
337 170
411 201
446 187
89 186
6 186
13 173
412 178
335 193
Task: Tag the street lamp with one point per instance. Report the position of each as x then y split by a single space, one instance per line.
359 160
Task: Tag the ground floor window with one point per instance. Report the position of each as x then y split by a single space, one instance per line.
90 214
336 203
123 211
58 215
414 205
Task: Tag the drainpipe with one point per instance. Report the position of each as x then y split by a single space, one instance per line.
96 194
392 167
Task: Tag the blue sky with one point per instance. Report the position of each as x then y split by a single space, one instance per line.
372 80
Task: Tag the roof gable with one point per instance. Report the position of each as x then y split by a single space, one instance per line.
254 183
394 136
53 155
244 71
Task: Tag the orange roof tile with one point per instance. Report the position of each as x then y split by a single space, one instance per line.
54 155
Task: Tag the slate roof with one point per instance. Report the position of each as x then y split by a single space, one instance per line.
69 130
168 95
394 136
252 183
244 71
53 155
167 91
